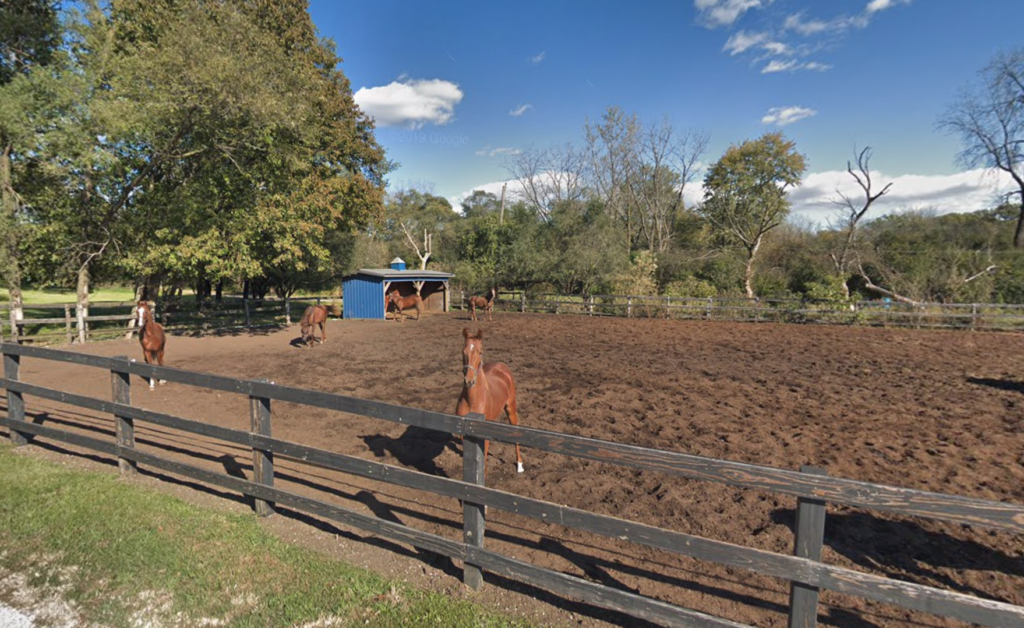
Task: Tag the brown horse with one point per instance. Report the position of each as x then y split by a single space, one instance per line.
413 301
313 316
151 337
486 389
484 303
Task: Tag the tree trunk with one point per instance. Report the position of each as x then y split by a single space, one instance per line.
220 290
83 300
1018 235
748 275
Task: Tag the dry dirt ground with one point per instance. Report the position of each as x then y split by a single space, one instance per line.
940 411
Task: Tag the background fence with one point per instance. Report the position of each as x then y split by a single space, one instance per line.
812 489
977 316
65 323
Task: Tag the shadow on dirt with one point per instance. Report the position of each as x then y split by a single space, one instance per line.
417 447
1001 384
905 550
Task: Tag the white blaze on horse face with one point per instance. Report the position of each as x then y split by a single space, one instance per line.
142 316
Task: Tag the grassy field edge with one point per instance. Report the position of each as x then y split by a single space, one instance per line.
118 554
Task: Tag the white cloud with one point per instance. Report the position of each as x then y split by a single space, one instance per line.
410 103
714 13
781 116
743 41
512 193
967 191
487 151
791 65
520 110
881 5
535 59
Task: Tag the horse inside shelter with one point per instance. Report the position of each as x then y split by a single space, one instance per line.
365 293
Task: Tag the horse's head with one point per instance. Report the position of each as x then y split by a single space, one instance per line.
472 356
143 312
306 329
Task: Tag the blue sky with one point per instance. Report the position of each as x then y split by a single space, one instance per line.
456 86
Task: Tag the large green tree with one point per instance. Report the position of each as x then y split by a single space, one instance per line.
746 193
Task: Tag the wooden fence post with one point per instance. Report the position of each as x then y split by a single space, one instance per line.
974 316
522 302
15 329
473 514
80 318
810 537
287 311
629 307
262 461
15 402
248 321
121 392
707 310
590 305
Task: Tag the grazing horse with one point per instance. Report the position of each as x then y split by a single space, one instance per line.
151 337
486 389
413 301
484 303
313 316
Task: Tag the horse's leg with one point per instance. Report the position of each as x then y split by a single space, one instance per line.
149 360
472 311
513 418
323 331
160 361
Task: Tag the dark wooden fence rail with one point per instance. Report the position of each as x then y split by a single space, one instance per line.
813 489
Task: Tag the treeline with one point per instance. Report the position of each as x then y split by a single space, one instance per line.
609 217
216 146
180 143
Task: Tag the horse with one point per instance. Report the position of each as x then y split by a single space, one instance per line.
484 303
313 316
486 389
151 337
405 303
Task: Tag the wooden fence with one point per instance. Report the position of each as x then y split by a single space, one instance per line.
975 316
811 487
76 326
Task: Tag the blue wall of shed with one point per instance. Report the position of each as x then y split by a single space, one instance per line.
363 297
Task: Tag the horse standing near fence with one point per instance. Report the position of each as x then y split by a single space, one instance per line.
484 303
151 337
313 316
413 301
486 389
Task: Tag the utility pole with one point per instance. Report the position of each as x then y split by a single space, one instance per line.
501 212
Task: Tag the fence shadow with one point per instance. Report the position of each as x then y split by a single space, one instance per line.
1002 384
906 550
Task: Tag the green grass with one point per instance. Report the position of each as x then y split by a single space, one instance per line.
53 295
109 547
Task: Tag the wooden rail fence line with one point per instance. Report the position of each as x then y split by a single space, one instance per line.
973 316
78 328
813 489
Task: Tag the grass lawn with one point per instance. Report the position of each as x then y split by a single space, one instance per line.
123 556
54 295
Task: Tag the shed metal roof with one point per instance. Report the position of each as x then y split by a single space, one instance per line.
387 273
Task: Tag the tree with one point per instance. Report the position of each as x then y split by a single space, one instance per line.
989 119
640 171
29 37
845 252
746 193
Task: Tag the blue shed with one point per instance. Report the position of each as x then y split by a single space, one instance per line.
363 293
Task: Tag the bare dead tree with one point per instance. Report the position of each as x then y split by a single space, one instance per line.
428 245
990 124
853 213
549 177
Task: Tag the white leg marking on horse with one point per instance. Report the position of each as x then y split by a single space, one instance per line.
519 467
151 387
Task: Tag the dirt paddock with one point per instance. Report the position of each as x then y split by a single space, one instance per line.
939 411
